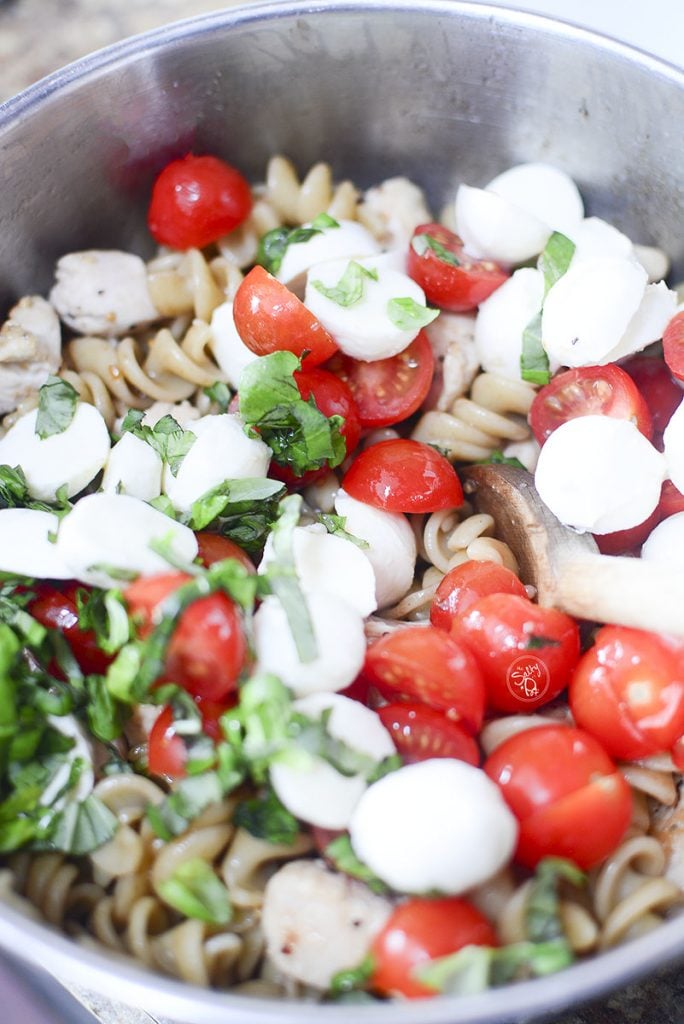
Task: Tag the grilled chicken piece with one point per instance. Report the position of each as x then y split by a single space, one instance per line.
30 350
102 292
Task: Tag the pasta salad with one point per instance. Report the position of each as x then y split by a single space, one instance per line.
278 712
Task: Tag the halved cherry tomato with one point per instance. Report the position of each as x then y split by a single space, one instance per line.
673 346
425 664
588 391
166 752
212 547
628 692
525 652
450 278
144 594
420 930
388 390
660 392
568 797
671 501
467 583
421 732
211 711
196 200
57 609
404 476
270 318
628 541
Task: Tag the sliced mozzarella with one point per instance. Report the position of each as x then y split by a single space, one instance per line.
340 639
595 239
25 545
657 307
391 547
72 458
493 228
363 330
393 259
665 543
221 452
543 192
589 308
81 750
350 722
134 468
102 292
106 534
655 262
350 240
502 320
331 564
228 348
458 834
600 474
673 440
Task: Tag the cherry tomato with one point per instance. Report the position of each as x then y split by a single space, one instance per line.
421 732
628 692
660 392
389 390
673 346
207 649
212 547
568 797
270 318
588 391
449 277
425 664
196 200
404 476
525 652
671 501
57 609
143 596
628 541
420 930
211 711
166 753
467 583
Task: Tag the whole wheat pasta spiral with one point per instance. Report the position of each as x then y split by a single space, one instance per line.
249 862
298 201
187 283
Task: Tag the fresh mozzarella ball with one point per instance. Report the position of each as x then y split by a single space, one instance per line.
493 228
391 547
665 543
316 792
331 564
25 545
542 191
82 749
393 259
74 457
657 307
599 473
502 320
348 241
673 440
595 239
228 348
459 831
655 262
340 640
133 468
102 292
108 532
364 329
221 452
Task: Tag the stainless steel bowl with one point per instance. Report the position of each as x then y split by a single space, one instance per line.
438 90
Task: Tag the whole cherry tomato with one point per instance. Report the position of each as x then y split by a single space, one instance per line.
404 476
450 278
57 609
661 393
212 547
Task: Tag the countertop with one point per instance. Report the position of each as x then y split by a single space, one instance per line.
38 36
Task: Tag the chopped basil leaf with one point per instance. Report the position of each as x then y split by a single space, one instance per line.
274 244
498 458
284 582
185 803
476 968
409 315
421 243
266 818
536 643
336 525
352 978
196 891
542 918
350 287
14 493
529 960
104 613
105 714
57 401
341 855
167 437
115 572
553 263
251 494
83 827
219 393
555 259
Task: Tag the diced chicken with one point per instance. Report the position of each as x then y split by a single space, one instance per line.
30 350
317 923
393 210
183 413
668 829
102 292
452 337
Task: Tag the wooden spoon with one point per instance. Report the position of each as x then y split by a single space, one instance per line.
566 567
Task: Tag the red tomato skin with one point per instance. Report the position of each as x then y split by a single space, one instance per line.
196 200
144 594
212 547
660 392
629 541
500 631
420 663
565 792
628 692
421 732
420 930
673 346
671 501
57 609
467 583
588 390
166 753
454 288
211 711
270 318
388 391
207 650
404 476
